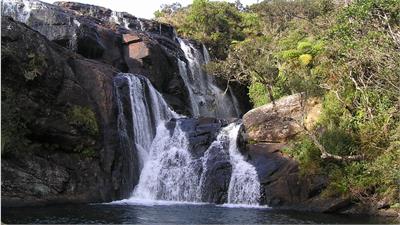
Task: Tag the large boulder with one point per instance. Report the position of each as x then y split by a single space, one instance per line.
279 122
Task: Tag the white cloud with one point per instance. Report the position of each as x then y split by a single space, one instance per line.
143 8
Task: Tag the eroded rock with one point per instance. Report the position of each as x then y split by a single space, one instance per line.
269 123
57 157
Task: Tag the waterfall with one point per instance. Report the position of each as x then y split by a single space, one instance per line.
244 187
207 99
192 97
156 146
171 172
147 108
168 170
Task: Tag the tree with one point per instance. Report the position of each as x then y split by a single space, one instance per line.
170 13
214 23
251 60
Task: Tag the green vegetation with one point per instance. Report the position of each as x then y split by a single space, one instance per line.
347 55
35 66
216 24
86 151
84 119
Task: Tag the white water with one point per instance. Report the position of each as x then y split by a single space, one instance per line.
148 111
206 98
192 97
244 187
168 170
169 174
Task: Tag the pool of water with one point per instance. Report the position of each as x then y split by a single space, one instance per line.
170 214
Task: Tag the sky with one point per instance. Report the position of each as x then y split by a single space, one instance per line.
140 8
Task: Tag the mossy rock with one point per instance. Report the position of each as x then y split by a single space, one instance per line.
84 119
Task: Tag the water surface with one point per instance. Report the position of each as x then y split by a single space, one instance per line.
170 214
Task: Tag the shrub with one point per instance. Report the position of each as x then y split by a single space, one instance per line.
35 67
84 119
304 151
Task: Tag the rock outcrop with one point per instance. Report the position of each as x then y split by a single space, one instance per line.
269 128
128 43
281 122
103 35
59 140
281 183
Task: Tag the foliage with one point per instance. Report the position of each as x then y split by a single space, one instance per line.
258 94
345 53
307 154
84 119
251 61
35 66
214 23
86 151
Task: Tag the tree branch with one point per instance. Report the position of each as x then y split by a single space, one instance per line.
324 153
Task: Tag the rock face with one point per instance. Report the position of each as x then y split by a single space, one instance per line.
278 123
281 183
60 138
121 40
59 128
100 34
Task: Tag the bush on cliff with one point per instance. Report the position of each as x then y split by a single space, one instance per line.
84 119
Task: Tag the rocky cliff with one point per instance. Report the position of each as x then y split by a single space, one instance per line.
60 139
58 124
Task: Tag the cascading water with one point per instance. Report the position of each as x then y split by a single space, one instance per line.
167 166
244 187
206 98
169 171
148 110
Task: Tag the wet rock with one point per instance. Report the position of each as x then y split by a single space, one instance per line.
201 132
282 185
217 175
212 159
89 43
